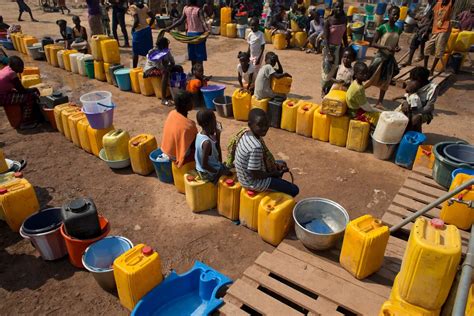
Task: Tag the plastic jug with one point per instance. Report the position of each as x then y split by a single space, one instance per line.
80 219
73 120
470 301
30 80
358 135
338 130
248 213
3 162
304 118
279 41
260 104
96 48
321 126
241 102
47 52
178 175
231 30
140 148
156 84
403 13
464 41
146 86
294 26
408 148
228 197
116 144
282 85
453 36
334 103
200 195
54 99
66 59
29 41
110 51
274 111
81 63
274 217
136 272
226 13
429 264
108 78
95 138
268 36
390 127
99 72
30 71
299 39
65 120
134 79
459 214
82 126
363 248
57 114
17 201
289 114
54 53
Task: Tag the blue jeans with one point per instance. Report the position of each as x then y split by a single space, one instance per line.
283 186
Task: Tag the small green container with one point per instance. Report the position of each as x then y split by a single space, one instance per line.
89 64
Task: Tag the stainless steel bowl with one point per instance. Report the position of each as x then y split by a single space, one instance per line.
114 164
319 223
383 151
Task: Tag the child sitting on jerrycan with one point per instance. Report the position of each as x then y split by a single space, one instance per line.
263 82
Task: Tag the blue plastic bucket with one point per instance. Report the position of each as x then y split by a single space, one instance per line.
406 152
210 93
462 170
178 80
360 48
400 24
162 166
123 79
381 8
320 12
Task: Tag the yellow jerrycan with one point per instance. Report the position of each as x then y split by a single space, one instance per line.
200 195
108 78
134 79
288 115
82 126
53 54
456 213
146 85
178 175
3 162
470 301
279 41
274 217
260 104
96 49
136 272
110 51
358 135
334 103
429 264
116 144
156 84
304 118
139 148
57 114
464 41
231 30
321 126
249 203
363 248
268 36
31 71
73 119
66 59
282 85
452 40
299 39
228 197
99 72
65 120
95 138
338 130
30 80
17 202
241 103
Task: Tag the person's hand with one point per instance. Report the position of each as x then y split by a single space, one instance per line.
281 165
405 107
287 75
380 107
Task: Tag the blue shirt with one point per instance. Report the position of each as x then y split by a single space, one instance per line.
213 159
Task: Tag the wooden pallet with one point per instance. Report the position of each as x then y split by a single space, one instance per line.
294 281
418 190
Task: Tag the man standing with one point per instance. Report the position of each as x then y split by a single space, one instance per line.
119 8
95 17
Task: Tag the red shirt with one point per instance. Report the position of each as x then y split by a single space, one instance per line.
6 80
442 17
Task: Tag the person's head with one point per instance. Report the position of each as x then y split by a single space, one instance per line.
316 16
419 77
244 58
348 57
294 7
16 64
207 120
62 24
393 14
139 3
198 70
338 8
254 24
76 20
271 58
258 122
174 5
193 2
183 102
361 71
162 43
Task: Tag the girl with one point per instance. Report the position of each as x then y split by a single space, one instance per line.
256 41
344 71
78 30
316 30
245 72
142 38
384 66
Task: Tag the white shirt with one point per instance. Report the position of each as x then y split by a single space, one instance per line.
246 75
255 40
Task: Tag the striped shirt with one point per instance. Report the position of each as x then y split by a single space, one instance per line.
248 158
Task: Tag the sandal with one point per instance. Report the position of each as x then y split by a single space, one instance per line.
166 102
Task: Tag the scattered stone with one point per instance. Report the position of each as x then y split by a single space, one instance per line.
137 227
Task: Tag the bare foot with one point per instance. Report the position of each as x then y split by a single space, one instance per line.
19 20
34 20
380 106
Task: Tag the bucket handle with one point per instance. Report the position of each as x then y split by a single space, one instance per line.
22 234
107 106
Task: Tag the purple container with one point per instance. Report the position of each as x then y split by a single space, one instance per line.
210 93
100 120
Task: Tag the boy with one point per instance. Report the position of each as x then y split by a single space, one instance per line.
263 88
256 41
66 32
208 153
79 31
23 7
316 29
344 71
245 72
104 12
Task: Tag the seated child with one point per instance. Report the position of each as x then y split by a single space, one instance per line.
358 106
256 41
263 82
197 80
256 168
245 72
67 34
278 25
160 63
315 33
79 31
344 71
208 154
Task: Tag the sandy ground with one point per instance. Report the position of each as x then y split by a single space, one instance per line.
147 211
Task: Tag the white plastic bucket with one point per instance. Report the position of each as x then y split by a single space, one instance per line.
96 101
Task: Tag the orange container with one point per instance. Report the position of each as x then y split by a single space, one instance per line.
76 247
424 157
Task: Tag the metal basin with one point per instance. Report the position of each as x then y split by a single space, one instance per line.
319 223
383 151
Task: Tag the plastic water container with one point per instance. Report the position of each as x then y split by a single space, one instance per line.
134 81
178 174
381 8
274 217
73 61
289 114
123 79
268 36
201 195
107 73
241 31
408 148
360 48
321 126
241 103
3 164
95 138
282 85
30 71
96 48
146 85
115 144
279 41
99 109
67 59
338 130
80 218
299 39
57 114
403 13
82 126
110 51
228 197
248 212
259 104
30 80
334 103
140 148
304 118
73 120
464 41
459 214
210 93
89 68
231 30
390 127
162 164
65 120
363 248
99 71
275 111
112 69
358 136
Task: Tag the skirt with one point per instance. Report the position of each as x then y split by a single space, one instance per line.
197 52
142 41
21 108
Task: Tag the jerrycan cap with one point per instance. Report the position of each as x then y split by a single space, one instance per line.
230 182
437 223
77 205
269 207
147 251
290 104
305 108
251 193
18 174
135 143
190 178
3 191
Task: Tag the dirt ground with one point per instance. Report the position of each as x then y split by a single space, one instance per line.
148 211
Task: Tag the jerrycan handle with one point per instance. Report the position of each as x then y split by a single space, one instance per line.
138 140
271 206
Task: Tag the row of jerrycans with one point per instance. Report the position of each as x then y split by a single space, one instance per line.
73 123
267 213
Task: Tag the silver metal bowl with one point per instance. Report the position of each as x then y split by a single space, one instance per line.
319 223
383 151
114 164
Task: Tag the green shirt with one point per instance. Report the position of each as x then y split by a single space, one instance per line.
355 96
386 28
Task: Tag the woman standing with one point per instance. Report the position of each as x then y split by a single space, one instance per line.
142 38
335 34
195 25
384 66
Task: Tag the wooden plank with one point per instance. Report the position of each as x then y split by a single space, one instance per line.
230 309
258 300
403 213
423 188
423 178
327 307
322 283
423 171
403 72
409 193
333 269
412 205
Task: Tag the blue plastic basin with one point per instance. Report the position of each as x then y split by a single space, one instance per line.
461 153
162 166
210 93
